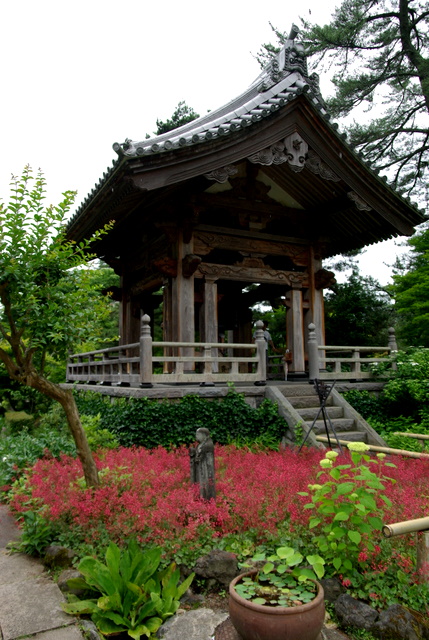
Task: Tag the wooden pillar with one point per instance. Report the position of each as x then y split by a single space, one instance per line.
317 310
295 331
167 333
183 300
211 316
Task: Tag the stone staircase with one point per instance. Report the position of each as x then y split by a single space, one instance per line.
299 403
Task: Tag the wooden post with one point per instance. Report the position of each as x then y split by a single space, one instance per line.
392 340
422 565
261 351
210 317
145 353
183 318
392 345
313 353
295 325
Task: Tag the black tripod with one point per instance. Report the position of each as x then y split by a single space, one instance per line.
323 390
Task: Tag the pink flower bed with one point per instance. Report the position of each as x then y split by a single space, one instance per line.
148 494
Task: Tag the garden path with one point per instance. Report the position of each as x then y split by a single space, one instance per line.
30 602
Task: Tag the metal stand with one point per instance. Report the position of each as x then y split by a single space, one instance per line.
323 390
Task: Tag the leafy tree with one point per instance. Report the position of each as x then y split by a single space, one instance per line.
48 303
182 115
358 312
380 51
411 292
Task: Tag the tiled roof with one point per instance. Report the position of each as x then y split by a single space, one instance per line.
282 80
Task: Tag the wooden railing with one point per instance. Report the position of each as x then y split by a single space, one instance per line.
347 363
188 362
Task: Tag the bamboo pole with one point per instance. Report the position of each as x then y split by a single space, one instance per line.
417 436
407 526
387 450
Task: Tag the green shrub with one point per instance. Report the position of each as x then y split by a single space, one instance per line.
19 451
131 593
149 423
98 438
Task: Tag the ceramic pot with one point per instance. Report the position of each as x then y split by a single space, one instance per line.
262 622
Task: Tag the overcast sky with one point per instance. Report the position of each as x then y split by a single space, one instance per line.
77 77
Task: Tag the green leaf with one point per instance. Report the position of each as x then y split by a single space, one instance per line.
314 522
376 523
354 536
97 575
337 562
259 600
113 557
345 487
80 607
182 588
285 552
341 516
268 567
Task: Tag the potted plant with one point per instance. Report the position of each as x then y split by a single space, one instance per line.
279 600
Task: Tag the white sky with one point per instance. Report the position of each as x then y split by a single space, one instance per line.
77 77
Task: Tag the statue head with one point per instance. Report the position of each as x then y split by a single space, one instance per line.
202 434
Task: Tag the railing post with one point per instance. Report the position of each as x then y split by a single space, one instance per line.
392 346
392 340
261 352
313 354
145 353
422 565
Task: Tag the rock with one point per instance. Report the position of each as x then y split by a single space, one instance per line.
218 565
199 624
89 630
354 613
190 598
399 623
332 588
63 579
57 556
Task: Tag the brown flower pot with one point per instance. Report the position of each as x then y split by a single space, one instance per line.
262 622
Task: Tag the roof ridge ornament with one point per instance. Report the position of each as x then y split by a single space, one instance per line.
291 58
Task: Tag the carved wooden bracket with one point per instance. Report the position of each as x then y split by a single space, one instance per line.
320 168
324 279
292 150
245 273
167 266
359 202
190 264
205 241
222 174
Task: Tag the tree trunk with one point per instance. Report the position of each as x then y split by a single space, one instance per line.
68 403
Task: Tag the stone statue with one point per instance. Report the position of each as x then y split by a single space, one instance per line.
202 464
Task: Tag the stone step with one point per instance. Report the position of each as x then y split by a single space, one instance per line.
293 389
311 412
350 436
302 402
340 424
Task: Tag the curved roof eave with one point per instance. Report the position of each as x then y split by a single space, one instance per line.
281 82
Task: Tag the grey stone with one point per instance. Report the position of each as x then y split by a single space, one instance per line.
332 588
399 623
354 613
217 565
8 529
57 556
64 633
63 579
38 602
17 567
90 630
199 624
